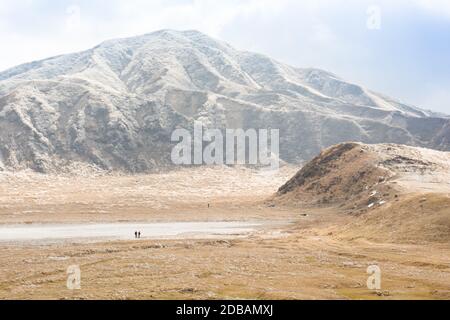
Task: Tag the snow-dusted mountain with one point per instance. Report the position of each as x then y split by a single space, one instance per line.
116 105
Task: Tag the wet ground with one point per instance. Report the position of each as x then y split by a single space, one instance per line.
124 231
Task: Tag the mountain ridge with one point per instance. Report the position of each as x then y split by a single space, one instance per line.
115 105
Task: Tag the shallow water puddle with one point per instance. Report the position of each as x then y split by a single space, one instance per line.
125 231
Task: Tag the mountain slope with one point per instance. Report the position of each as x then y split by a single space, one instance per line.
116 105
398 193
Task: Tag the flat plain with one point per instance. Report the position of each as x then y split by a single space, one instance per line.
299 252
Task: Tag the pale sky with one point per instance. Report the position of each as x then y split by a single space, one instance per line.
398 47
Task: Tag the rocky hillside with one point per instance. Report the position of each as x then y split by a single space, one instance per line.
115 106
399 193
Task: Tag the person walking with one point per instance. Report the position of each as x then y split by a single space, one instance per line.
139 235
135 234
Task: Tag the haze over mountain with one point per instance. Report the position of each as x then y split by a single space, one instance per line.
115 106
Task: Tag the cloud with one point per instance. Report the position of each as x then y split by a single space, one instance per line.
74 25
209 16
329 34
437 7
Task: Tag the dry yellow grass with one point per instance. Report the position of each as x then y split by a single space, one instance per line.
322 255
